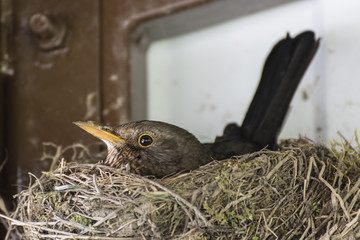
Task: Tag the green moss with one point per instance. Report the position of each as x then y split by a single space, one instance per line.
81 220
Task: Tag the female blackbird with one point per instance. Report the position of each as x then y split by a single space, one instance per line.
149 147
159 149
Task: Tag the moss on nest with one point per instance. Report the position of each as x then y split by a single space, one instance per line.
303 191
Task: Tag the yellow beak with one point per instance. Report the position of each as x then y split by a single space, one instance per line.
100 131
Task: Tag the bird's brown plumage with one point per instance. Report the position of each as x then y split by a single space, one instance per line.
165 148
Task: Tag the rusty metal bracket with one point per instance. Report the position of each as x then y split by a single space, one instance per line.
47 33
6 36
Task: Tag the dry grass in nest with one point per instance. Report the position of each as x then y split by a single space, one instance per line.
302 191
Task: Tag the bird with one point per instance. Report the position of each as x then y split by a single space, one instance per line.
149 147
161 149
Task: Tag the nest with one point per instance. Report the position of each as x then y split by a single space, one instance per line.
302 191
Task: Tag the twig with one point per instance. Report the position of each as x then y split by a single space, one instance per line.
109 216
38 180
76 225
353 190
35 225
329 231
243 198
180 199
303 236
78 236
342 204
122 226
268 228
307 180
95 185
354 222
277 167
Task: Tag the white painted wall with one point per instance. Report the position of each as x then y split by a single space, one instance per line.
205 79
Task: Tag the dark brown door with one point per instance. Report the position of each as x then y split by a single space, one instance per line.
56 81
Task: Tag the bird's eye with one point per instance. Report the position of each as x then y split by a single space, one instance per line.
145 140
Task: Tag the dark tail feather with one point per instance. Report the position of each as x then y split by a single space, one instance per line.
282 72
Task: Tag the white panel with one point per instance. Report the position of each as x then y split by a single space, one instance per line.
341 29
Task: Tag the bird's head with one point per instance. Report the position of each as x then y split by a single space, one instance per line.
149 147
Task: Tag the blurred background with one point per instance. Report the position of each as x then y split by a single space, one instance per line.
193 63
